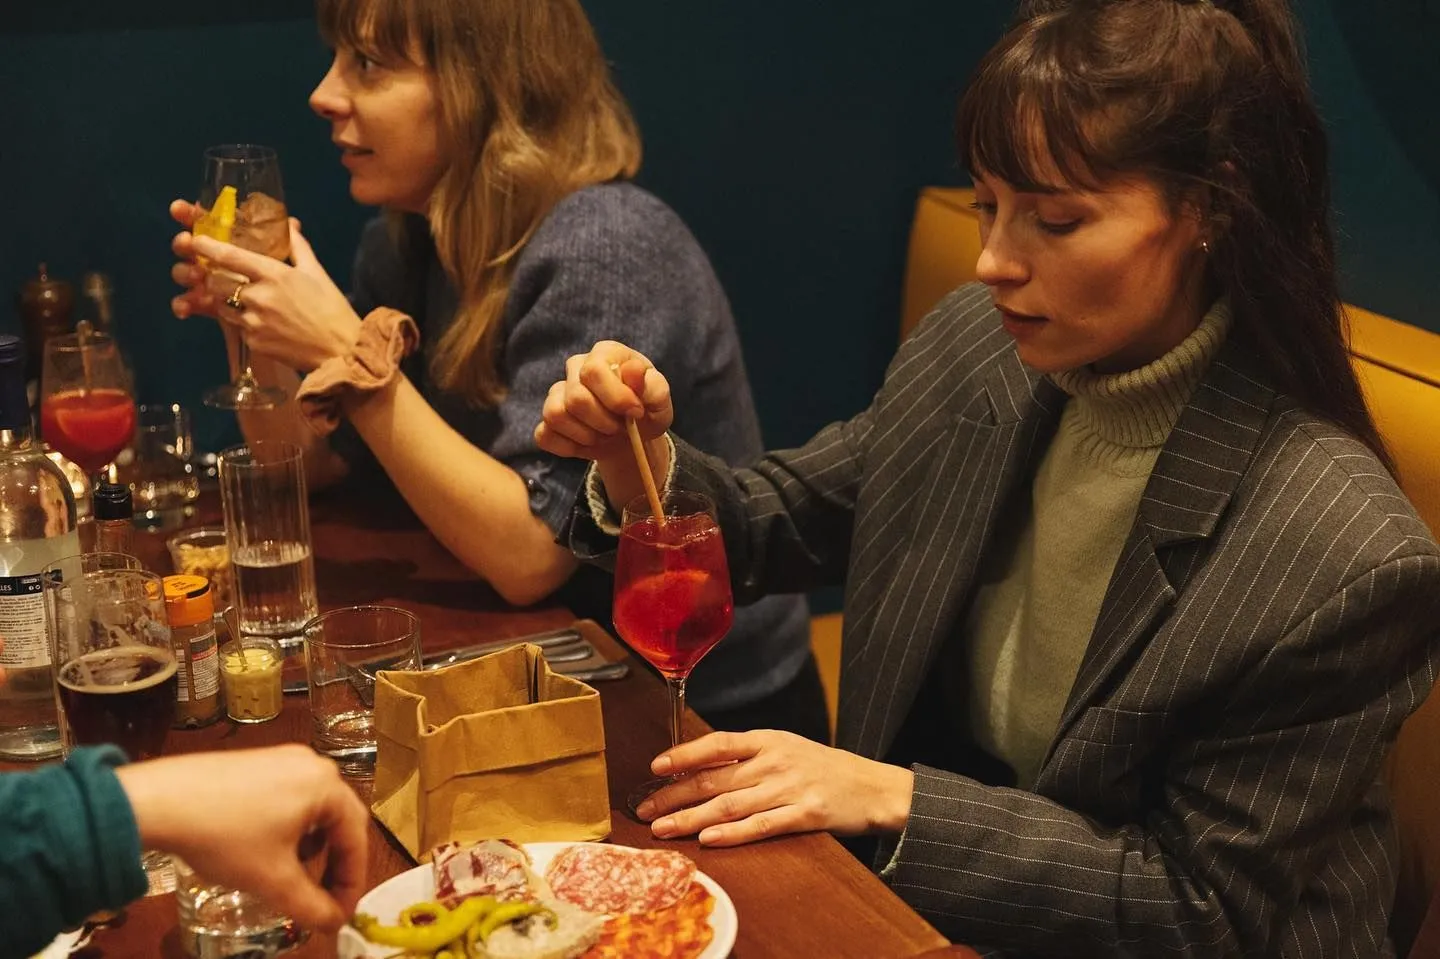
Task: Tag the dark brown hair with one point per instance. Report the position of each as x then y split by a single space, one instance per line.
1210 101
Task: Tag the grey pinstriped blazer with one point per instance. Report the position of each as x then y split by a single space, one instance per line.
1213 788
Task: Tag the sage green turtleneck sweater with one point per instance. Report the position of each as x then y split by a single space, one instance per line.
1031 619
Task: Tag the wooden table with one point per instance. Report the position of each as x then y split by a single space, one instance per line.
796 896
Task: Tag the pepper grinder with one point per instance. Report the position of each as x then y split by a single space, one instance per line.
45 308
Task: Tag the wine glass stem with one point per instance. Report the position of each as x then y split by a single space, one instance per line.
677 707
242 360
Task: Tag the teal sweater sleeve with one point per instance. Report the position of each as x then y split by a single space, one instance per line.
69 847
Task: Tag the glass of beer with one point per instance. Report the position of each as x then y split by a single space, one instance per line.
115 670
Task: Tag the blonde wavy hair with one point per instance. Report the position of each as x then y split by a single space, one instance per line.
528 114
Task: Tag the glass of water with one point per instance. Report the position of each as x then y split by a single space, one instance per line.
344 649
267 527
217 922
160 473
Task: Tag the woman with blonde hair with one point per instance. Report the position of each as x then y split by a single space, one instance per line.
492 137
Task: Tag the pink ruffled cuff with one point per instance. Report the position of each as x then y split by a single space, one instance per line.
386 337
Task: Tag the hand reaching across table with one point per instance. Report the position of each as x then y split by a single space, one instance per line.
239 818
71 834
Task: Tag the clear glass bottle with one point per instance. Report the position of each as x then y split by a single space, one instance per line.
114 519
37 527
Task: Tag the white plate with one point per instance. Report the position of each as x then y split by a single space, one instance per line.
385 901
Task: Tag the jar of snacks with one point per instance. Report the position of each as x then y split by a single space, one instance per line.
189 605
203 552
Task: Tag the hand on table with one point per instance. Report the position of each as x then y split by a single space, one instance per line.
237 818
294 314
740 787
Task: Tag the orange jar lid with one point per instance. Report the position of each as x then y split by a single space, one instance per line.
188 600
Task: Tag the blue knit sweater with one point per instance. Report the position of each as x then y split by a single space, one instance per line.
609 262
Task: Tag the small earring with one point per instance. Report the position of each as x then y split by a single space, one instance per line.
1205 246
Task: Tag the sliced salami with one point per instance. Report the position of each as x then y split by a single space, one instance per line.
495 867
614 880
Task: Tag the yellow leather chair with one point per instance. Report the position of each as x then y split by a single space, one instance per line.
1399 369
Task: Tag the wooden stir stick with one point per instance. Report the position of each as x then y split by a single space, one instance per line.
637 446
83 332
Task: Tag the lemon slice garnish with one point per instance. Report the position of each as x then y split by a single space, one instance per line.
219 221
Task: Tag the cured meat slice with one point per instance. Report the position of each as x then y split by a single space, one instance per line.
495 867
613 880
682 931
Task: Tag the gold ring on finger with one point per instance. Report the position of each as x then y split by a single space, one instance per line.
233 300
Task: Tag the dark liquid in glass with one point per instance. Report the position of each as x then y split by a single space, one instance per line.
124 695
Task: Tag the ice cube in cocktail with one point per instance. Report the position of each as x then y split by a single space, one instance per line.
262 225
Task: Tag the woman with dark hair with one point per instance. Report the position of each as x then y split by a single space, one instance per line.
1133 605
490 134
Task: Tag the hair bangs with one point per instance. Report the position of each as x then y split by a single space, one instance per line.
387 31
1024 119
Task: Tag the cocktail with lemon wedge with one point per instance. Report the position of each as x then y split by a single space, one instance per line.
242 202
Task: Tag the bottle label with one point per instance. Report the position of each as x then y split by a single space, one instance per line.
205 664
22 622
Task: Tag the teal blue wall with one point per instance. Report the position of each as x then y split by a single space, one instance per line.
1376 75
792 137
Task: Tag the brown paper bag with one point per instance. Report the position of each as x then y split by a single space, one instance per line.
496 747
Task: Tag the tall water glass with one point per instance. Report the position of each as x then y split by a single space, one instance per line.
267 525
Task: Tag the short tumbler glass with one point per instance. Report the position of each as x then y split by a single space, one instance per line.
218 922
344 649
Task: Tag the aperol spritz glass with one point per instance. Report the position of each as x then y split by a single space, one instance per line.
87 407
672 594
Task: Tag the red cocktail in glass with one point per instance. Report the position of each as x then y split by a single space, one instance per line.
672 593
87 410
89 427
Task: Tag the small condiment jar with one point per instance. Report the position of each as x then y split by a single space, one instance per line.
254 690
190 608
